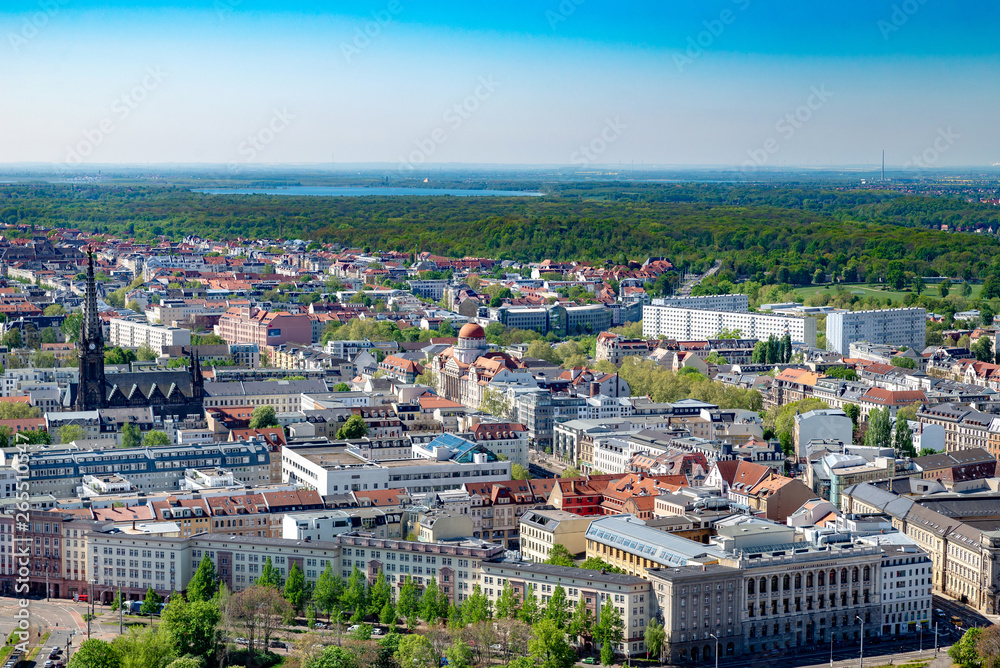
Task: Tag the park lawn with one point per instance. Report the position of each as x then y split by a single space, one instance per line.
865 290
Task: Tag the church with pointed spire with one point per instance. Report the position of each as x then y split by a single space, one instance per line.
176 393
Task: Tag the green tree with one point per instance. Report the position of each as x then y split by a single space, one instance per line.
185 662
853 411
581 624
341 387
94 653
965 652
269 576
520 472
570 472
459 654
151 604
131 437
560 556
548 646
191 625
205 581
354 428
71 432
879 434
944 287
326 591
295 588
379 595
983 349
145 353
409 602
530 611
507 602
903 362
310 617
557 608
417 651
263 417
334 657
655 638
610 631
70 327
12 339
430 609
387 615
476 608
356 595
54 309
918 285
903 443
543 351
155 438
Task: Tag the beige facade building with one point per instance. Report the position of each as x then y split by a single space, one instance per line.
541 529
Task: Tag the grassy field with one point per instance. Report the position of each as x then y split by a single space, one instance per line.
864 290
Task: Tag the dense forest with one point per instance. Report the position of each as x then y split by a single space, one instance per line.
770 234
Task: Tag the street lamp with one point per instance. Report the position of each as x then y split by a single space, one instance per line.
716 649
862 651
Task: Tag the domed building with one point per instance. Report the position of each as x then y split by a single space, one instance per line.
468 367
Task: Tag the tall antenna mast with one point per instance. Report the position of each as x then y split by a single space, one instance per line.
883 164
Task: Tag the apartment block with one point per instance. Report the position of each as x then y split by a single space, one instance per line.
737 303
897 327
698 324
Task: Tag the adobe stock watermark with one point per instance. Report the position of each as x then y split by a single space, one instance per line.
225 8
899 17
788 126
453 118
33 23
945 139
609 134
121 108
257 142
562 12
697 44
363 35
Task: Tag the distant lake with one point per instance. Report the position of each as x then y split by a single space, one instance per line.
346 191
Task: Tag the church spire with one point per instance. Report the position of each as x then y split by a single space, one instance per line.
92 332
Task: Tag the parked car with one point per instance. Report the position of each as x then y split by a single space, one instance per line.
589 661
49 664
277 643
376 631
353 627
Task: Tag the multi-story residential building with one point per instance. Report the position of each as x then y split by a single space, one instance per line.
615 347
541 529
264 328
496 508
598 590
59 472
135 333
430 288
736 303
540 410
698 324
897 327
823 424
509 439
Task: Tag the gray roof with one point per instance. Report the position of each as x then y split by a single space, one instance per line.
253 387
567 572
630 534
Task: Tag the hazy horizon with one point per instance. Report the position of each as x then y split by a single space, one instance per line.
583 83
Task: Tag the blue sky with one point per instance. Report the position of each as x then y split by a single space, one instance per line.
586 82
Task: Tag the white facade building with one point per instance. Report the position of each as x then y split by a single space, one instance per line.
698 324
896 327
906 584
737 303
136 333
334 469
